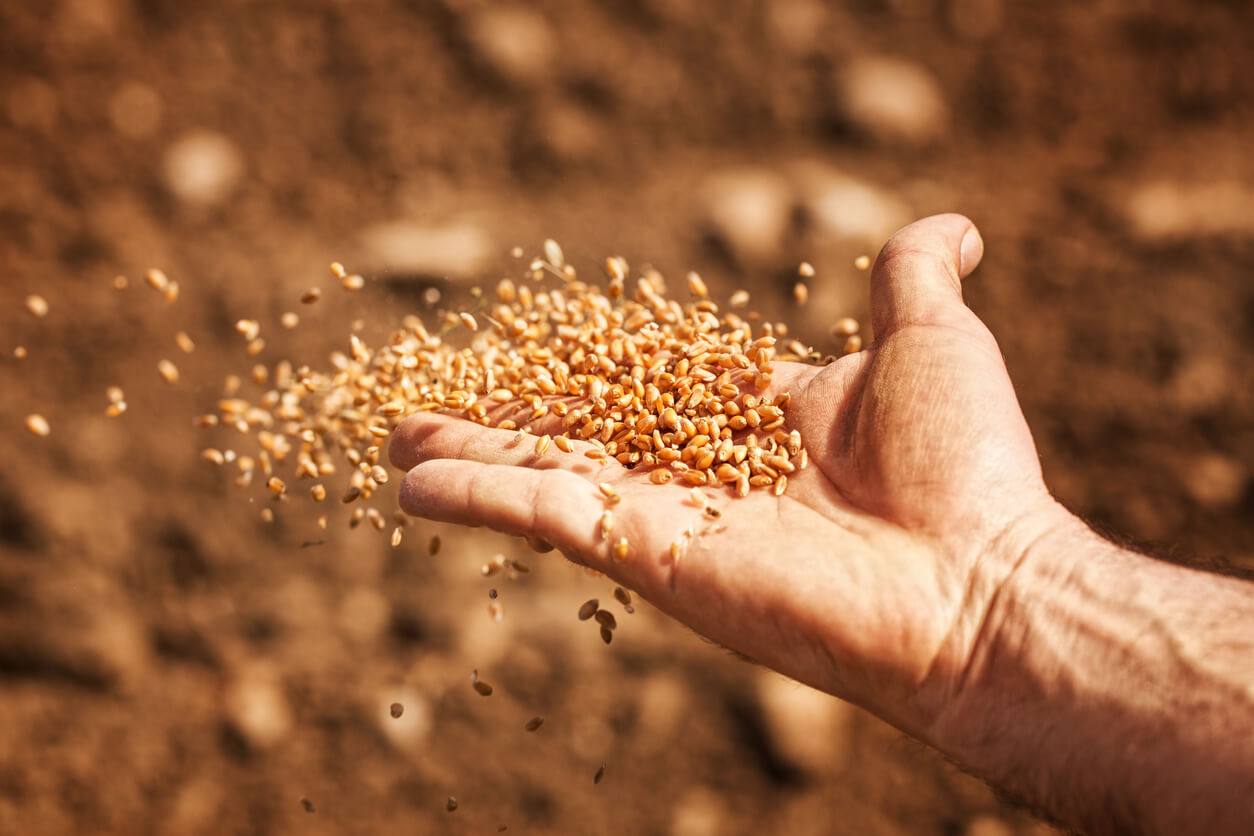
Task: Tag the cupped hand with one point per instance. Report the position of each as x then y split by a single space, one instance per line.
871 576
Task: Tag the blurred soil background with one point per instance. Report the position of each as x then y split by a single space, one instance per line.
170 663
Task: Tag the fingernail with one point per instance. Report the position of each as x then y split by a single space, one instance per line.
970 251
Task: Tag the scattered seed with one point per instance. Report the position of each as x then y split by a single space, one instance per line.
396 710
852 345
38 425
157 280
121 283
276 485
19 352
310 296
483 688
433 545
862 262
451 804
168 371
739 299
553 253
289 320
468 321
495 611
534 723
115 409
845 326
606 619
589 609
623 596
318 493
607 635
607 491
600 773
353 282
607 523
800 293
213 456
620 549
37 305
542 445
805 269
184 342
397 534
712 512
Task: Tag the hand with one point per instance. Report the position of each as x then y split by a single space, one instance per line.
870 578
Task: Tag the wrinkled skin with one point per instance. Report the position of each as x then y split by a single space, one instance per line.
871 577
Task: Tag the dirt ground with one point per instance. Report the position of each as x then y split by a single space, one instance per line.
170 663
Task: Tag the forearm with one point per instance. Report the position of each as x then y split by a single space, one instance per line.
1113 692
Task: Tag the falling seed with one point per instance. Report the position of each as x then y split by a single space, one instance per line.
121 283
596 779
607 490
607 524
249 328
852 345
38 425
311 295
168 371
37 305
115 409
307 804
184 342
212 456
397 534
157 280
337 269
607 635
542 445
739 299
318 493
353 282
115 394
805 269
351 495
289 320
553 253
606 619
267 515
862 262
379 474
697 497
696 286
800 293
534 723
19 352
620 549
589 609
519 566
172 292
496 611
712 512
396 710
623 596
433 546
483 688
451 804
276 485
845 326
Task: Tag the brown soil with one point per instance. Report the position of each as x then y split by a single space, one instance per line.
170 663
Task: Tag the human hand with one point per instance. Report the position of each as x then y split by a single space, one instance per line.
870 578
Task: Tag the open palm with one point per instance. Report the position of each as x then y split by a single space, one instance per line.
870 577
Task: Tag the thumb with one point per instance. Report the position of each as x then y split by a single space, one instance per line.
917 277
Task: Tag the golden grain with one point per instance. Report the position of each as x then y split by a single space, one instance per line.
168 371
37 424
157 280
620 549
37 305
852 345
353 282
318 493
805 269
862 262
468 321
607 524
289 320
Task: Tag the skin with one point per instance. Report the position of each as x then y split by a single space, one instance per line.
899 569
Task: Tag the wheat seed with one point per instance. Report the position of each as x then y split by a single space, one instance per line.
37 305
157 280
862 262
606 619
534 723
623 596
168 371
184 342
37 424
451 804
800 293
588 609
310 296
433 545
620 549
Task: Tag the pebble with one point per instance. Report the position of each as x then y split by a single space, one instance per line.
891 100
456 250
202 168
514 41
748 210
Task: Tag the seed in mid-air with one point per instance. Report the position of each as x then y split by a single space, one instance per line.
396 710
589 609
534 723
37 424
